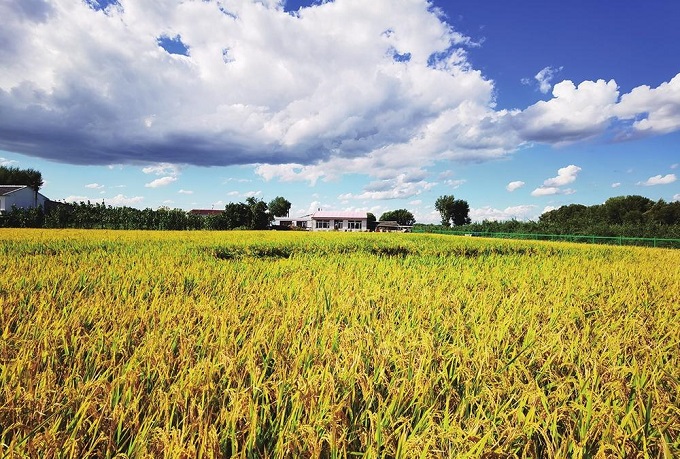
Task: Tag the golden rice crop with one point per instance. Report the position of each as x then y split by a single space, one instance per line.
267 344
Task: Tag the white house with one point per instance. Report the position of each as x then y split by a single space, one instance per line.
19 196
324 220
300 222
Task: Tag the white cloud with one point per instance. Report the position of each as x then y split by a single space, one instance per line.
616 185
165 169
521 212
544 77
116 201
675 166
565 176
233 193
163 181
574 113
553 186
122 200
676 197
659 180
7 162
401 187
290 172
185 192
454 184
94 186
252 194
77 198
654 110
308 96
512 186
546 191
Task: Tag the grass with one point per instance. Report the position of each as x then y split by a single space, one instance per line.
266 344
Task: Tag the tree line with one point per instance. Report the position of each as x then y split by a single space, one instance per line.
252 214
626 216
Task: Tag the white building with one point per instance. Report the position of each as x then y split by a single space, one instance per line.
287 222
19 196
324 220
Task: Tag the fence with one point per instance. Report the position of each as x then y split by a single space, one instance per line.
612 240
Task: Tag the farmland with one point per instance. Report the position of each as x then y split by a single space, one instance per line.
293 344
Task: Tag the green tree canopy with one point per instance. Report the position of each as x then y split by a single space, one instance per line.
401 216
260 218
10 175
279 207
453 211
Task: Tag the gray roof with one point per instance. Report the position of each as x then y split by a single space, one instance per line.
388 224
7 189
338 215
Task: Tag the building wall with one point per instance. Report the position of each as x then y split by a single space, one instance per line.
23 198
343 225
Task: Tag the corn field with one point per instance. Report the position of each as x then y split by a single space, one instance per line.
295 344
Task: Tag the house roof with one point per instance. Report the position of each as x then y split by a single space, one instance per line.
339 215
388 224
7 189
205 212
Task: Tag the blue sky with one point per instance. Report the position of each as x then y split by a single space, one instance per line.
517 107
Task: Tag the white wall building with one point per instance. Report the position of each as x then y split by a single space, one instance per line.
324 220
287 222
20 196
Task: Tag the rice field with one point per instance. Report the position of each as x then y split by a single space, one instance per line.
294 344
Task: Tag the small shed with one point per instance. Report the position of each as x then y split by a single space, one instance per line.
390 226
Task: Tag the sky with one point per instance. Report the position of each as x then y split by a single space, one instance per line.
353 105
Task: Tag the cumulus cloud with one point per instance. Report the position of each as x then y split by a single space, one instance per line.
616 184
185 192
377 88
512 186
565 176
653 110
676 197
574 113
94 186
552 186
159 182
304 88
659 180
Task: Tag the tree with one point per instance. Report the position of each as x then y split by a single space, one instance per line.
401 216
260 218
236 215
29 177
615 209
452 210
279 207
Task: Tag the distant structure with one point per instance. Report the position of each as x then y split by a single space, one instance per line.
324 220
21 197
392 226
